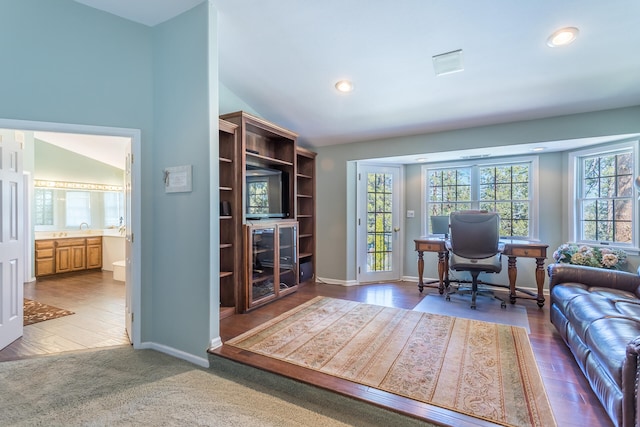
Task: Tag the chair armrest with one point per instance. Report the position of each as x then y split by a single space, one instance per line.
591 276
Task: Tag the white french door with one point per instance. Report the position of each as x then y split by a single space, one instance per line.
11 237
379 238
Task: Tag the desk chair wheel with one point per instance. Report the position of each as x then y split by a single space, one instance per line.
503 305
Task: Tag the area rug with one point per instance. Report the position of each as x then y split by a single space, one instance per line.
35 312
485 370
488 309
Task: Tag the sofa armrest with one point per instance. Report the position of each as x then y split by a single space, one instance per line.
630 378
591 276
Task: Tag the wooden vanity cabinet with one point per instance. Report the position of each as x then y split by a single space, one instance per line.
94 252
45 257
66 255
70 255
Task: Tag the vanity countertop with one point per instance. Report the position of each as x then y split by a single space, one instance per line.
63 234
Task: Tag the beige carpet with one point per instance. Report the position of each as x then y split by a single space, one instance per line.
35 312
485 370
124 387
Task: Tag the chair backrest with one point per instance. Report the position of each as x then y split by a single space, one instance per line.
474 234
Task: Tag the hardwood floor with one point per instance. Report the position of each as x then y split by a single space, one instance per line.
98 302
572 401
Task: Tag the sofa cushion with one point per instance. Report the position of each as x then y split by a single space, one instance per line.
607 338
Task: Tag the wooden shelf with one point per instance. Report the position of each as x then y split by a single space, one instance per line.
267 159
230 225
267 145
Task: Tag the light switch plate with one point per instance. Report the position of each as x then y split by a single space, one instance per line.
411 214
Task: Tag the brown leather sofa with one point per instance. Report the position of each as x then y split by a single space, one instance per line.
597 313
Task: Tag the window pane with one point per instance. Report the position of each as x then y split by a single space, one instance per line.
78 208
503 188
43 207
607 181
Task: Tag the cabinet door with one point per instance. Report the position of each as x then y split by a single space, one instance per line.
288 258
262 279
78 258
94 252
94 256
63 259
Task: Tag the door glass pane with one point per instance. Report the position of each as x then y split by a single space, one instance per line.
379 222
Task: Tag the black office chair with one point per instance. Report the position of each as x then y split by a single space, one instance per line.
474 247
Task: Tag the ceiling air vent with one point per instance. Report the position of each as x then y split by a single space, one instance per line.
447 63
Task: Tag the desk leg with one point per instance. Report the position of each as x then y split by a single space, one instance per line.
442 267
540 281
513 274
420 270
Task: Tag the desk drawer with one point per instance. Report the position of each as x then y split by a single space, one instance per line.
528 252
431 247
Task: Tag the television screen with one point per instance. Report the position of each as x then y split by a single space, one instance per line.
266 192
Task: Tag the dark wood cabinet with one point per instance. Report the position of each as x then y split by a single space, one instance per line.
262 144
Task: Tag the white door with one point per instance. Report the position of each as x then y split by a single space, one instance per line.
11 239
128 242
379 237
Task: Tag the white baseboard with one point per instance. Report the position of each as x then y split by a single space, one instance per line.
215 343
196 360
337 282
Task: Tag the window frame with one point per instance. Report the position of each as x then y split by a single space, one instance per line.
575 181
475 166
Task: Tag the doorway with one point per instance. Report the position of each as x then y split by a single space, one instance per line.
130 297
379 238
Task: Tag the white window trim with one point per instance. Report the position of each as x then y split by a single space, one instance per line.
534 187
573 168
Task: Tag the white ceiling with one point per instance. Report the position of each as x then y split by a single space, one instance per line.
283 57
106 149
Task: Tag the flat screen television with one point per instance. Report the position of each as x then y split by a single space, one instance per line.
266 192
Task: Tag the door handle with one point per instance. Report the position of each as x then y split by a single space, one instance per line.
396 229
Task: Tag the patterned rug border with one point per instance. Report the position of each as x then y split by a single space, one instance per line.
528 369
36 312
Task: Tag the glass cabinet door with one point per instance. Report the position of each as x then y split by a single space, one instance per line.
263 277
288 267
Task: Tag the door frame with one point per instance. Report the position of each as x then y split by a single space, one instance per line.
135 135
361 223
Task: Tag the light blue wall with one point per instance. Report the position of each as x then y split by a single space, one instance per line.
336 194
184 117
74 64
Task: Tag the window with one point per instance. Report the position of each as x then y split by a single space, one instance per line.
602 188
78 208
113 209
258 197
43 206
507 188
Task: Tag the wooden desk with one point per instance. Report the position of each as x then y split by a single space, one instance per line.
433 245
512 249
517 248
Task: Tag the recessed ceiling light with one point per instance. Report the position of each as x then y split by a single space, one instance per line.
538 149
344 86
562 37
421 159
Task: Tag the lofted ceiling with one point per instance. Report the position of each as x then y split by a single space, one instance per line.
283 57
